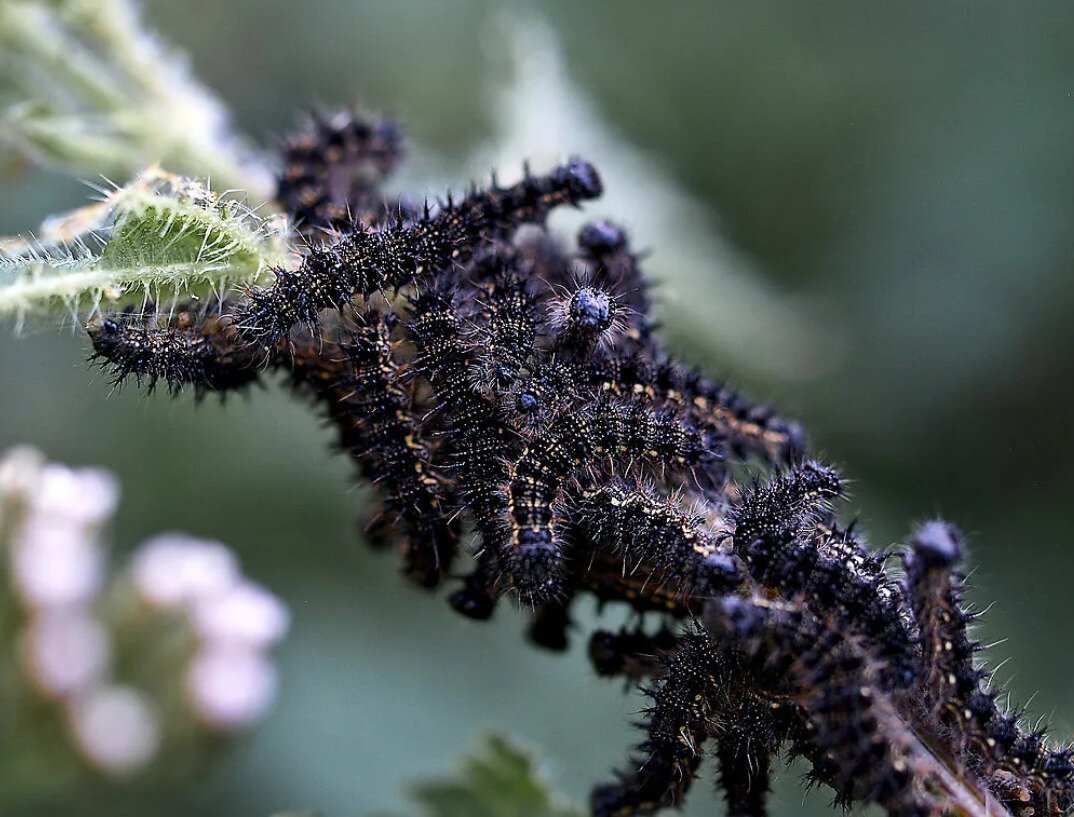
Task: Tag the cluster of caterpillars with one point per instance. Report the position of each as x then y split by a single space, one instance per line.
501 390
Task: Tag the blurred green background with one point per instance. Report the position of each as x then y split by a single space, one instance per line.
906 168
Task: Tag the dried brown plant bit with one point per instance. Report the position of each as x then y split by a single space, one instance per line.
333 168
369 261
186 347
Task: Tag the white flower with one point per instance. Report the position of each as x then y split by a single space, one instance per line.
55 563
19 471
86 496
116 728
231 686
174 569
66 651
245 613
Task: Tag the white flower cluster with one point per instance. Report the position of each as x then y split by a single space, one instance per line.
231 680
127 663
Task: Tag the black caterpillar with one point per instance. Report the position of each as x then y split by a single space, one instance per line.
483 377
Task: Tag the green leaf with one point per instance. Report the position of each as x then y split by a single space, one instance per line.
500 781
161 236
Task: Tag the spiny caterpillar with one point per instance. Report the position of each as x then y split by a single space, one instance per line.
485 378
185 346
332 169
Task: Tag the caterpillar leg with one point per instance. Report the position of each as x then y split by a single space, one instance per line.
631 652
476 598
550 623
